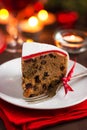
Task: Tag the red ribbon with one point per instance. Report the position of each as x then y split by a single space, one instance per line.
68 78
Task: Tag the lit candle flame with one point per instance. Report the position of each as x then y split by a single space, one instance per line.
31 25
4 14
73 38
33 21
43 15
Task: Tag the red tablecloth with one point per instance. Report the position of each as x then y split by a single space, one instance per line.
17 118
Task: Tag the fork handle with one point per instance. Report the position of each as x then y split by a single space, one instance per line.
82 74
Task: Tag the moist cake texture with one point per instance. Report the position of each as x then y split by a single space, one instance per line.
42 71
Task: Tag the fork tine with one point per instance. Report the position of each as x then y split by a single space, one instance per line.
36 98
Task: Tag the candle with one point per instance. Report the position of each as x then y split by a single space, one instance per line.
72 41
4 16
46 18
72 38
31 25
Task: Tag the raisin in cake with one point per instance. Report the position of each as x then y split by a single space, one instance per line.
43 67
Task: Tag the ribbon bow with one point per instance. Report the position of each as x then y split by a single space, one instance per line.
68 78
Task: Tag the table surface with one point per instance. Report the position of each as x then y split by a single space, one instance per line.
46 36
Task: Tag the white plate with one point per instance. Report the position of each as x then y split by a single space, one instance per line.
11 90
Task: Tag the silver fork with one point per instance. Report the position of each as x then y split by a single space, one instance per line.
45 96
38 98
79 75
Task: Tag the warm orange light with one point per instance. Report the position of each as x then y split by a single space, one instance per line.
12 30
70 41
33 21
29 40
4 14
73 38
43 15
31 25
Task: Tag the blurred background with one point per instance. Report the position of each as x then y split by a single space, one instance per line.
30 7
38 20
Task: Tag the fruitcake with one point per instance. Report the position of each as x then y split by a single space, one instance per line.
43 67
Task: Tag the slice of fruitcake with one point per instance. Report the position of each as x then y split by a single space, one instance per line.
43 67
